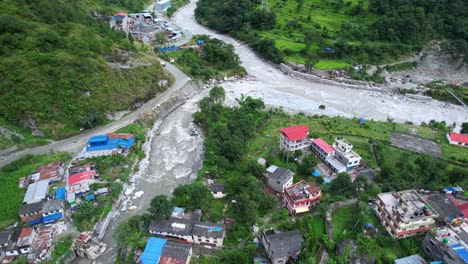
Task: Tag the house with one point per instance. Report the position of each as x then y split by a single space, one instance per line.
404 213
448 212
162 5
457 139
187 227
345 154
5 238
207 233
176 253
163 251
281 247
280 179
31 213
413 259
81 182
455 191
36 192
301 197
12 248
322 149
52 210
218 191
119 21
294 138
26 237
447 244
53 172
110 144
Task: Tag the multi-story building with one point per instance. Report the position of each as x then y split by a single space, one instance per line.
294 138
345 154
281 247
340 157
280 179
449 245
404 213
301 197
322 149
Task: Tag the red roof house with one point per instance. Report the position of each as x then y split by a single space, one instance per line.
52 171
322 148
457 139
80 177
294 137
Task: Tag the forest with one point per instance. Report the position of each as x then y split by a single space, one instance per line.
356 31
54 67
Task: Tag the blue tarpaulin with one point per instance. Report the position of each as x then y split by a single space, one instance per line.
51 218
153 250
89 197
60 194
173 48
316 173
326 180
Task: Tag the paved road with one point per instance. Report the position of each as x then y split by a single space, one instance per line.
181 79
297 95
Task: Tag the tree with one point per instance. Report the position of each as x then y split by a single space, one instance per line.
192 196
160 38
311 60
160 207
217 95
464 129
342 185
306 166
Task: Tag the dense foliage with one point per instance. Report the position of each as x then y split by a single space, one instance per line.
53 65
364 31
215 59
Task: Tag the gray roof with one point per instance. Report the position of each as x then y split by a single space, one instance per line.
5 237
413 259
182 227
217 188
36 191
176 250
31 208
444 206
282 175
207 229
52 205
284 243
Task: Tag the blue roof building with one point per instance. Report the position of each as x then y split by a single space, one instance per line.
153 250
104 142
60 194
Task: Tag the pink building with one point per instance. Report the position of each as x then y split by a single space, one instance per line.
301 197
294 138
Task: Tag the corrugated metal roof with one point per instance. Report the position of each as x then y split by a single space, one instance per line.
60 193
153 250
36 192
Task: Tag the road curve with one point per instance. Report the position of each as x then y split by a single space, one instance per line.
69 145
298 95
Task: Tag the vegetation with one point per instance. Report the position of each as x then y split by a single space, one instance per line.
440 91
62 247
10 194
215 59
351 31
402 66
54 70
175 5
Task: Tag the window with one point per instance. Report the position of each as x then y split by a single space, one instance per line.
428 249
432 242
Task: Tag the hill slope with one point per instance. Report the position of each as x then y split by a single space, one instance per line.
53 67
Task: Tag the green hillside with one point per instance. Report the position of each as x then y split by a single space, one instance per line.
336 33
53 64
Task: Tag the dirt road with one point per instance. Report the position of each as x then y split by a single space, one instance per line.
277 89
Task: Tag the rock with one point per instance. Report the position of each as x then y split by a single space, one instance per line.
138 194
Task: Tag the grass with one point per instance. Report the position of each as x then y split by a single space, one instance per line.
10 194
27 140
343 223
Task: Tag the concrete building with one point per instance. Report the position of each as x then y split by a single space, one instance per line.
280 179
294 138
162 5
345 154
36 192
457 139
301 197
281 247
52 210
163 251
448 245
218 191
81 182
404 213
26 237
322 149
31 213
211 234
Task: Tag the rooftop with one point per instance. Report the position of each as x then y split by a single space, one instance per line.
80 168
407 204
282 244
25 232
302 190
218 188
50 170
79 177
295 132
413 259
179 226
452 238
458 137
175 253
52 205
31 208
282 175
153 250
323 145
5 237
444 206
207 229
36 191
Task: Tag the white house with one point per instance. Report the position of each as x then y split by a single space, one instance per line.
218 191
